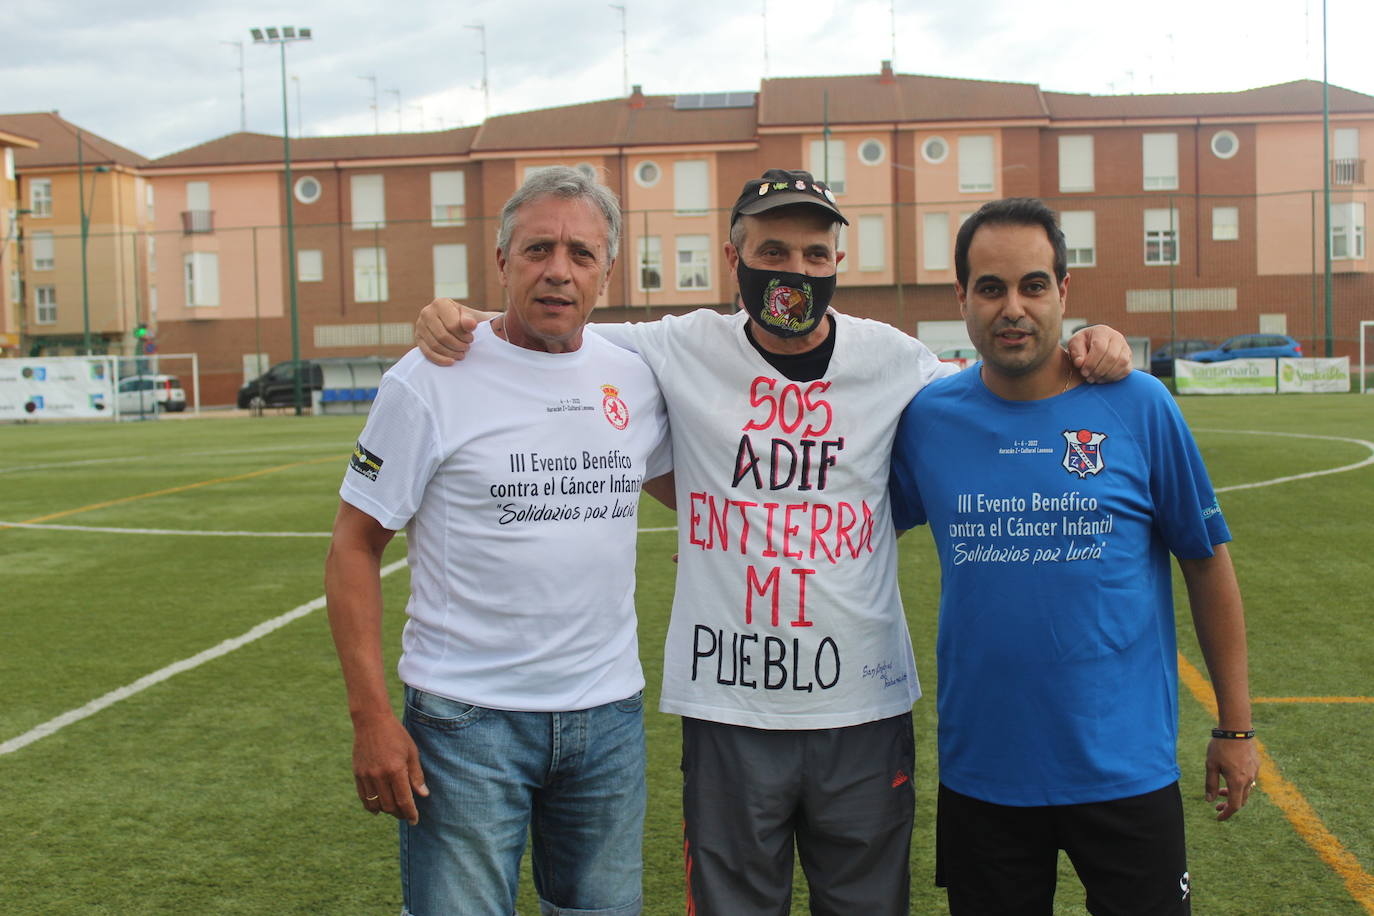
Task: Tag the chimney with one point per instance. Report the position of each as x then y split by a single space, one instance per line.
886 76
637 96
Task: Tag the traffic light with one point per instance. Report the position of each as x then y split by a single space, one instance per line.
141 331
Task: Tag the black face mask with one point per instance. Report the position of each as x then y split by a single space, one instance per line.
784 304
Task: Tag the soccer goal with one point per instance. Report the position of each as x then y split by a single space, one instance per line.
159 374
1365 328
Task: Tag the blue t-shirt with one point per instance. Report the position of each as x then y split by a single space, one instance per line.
1054 521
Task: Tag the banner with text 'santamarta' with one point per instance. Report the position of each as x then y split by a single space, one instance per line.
1233 376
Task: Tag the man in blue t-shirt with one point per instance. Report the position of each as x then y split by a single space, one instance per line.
1055 507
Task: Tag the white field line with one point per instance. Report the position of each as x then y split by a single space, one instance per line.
1306 476
301 446
217 534
176 531
186 664
262 629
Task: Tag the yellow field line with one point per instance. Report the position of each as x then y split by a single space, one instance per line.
1312 700
181 489
1292 803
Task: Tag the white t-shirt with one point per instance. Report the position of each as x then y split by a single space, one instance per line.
516 475
787 613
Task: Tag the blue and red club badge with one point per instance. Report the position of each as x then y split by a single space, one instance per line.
1083 452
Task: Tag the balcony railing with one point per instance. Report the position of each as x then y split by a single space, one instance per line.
1347 171
197 221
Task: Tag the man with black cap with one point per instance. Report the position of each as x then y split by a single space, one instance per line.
787 654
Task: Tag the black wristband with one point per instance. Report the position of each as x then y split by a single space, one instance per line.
1227 733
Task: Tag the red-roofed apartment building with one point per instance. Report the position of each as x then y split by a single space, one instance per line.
1193 215
11 207
64 304
385 222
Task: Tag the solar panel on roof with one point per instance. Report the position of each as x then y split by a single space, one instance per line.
697 100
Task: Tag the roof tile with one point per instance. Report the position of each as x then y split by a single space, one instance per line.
248 148
1297 97
56 138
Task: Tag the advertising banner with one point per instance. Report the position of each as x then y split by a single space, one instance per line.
1310 375
1234 376
56 388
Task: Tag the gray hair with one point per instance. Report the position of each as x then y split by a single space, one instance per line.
569 184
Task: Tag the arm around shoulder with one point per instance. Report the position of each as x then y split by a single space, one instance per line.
443 331
1101 353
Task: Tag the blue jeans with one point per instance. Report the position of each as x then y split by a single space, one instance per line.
574 781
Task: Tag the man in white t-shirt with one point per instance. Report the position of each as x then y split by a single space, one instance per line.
517 479
787 654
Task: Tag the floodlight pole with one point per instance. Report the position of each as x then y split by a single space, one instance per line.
85 235
272 36
1326 189
85 238
300 109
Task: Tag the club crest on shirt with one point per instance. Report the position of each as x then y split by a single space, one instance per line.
1083 452
617 414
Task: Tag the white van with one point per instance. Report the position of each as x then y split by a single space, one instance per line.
151 394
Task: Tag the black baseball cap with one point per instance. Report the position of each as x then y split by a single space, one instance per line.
781 187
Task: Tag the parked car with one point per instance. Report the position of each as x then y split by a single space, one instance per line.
958 353
277 386
1250 346
150 394
1162 360
963 357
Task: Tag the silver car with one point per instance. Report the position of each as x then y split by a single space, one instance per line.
151 394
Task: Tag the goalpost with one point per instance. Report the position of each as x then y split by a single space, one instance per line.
185 366
1364 367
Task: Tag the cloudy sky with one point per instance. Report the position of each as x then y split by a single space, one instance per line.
166 75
